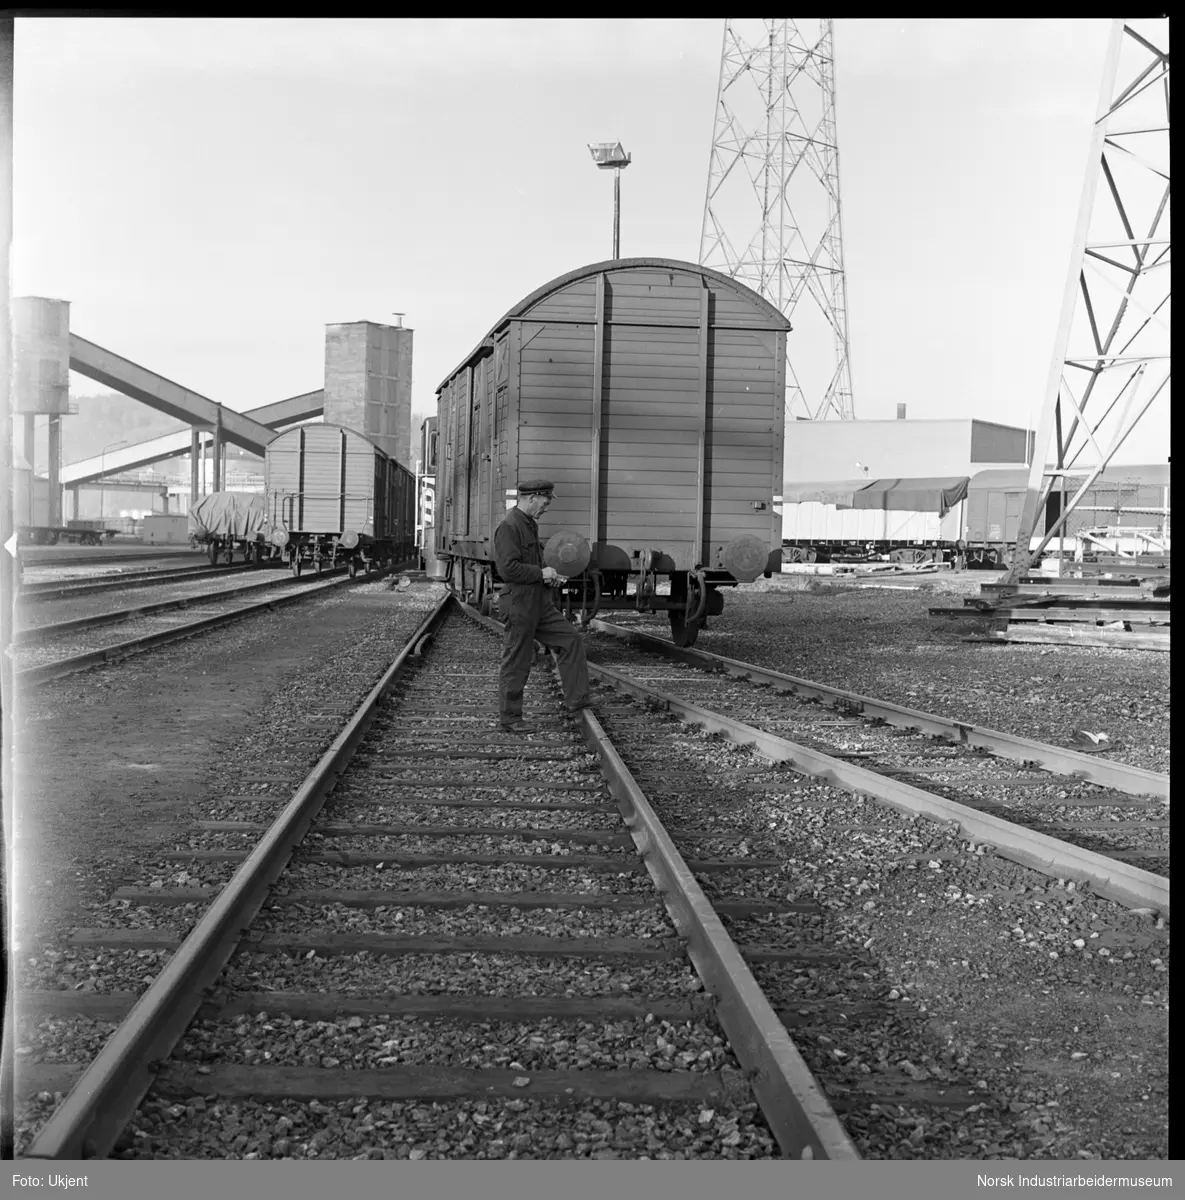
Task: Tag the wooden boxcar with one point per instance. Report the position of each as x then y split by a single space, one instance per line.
334 498
652 393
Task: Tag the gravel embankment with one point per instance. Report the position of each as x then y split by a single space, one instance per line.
1049 1002
118 763
928 963
881 642
480 1129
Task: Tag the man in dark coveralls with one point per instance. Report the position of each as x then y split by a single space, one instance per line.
531 615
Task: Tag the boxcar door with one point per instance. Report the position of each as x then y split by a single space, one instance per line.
744 428
320 501
652 418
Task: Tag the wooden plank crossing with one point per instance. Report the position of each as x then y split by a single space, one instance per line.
1072 635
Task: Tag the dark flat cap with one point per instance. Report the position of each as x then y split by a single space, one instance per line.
536 487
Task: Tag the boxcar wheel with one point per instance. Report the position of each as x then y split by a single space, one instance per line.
683 632
353 568
230 553
212 551
296 566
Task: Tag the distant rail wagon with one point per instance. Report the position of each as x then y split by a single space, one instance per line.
222 522
971 518
334 498
651 392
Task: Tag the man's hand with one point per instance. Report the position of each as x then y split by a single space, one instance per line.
550 575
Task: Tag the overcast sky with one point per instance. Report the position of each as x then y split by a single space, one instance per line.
209 194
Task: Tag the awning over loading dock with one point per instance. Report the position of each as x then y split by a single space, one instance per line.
938 495
839 493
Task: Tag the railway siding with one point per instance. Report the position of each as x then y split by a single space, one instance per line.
956 1003
833 904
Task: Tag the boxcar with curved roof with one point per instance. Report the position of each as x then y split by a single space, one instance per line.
334 497
652 393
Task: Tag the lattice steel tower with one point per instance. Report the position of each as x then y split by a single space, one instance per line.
772 213
1112 354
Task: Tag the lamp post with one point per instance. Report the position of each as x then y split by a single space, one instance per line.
609 156
102 466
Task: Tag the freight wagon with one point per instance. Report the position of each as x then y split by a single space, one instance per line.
936 520
30 512
334 498
651 392
225 521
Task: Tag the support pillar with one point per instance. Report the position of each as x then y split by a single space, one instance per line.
55 470
217 450
195 447
29 446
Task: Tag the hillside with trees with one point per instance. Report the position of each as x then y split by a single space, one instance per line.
101 419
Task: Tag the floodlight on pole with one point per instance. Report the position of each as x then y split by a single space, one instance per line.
609 156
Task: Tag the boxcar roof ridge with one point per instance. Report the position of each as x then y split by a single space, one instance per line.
331 425
616 264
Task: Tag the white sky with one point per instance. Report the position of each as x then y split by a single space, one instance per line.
210 193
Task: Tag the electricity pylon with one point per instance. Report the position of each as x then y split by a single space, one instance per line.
772 212
1111 358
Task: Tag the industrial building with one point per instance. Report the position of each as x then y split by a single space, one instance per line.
916 488
367 386
825 451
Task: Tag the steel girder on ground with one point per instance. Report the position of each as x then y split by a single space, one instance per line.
1111 360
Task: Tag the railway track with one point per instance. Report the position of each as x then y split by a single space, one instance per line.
436 824
996 785
444 873
51 650
56 589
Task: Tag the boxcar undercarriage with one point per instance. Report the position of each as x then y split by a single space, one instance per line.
328 551
688 598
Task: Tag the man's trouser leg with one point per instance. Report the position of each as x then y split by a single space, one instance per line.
556 631
518 650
